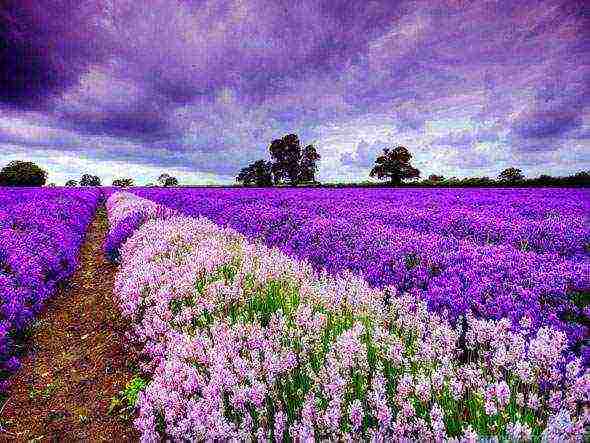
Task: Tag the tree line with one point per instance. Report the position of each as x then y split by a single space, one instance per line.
291 164
23 173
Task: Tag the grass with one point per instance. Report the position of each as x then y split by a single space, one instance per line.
123 404
46 392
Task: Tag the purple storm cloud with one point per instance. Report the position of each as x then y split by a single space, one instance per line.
206 85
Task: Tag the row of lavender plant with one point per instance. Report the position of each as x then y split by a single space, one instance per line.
454 276
41 231
243 342
525 219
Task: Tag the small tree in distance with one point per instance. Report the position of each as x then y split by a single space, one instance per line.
258 173
307 165
123 182
285 154
167 180
71 183
435 178
20 173
511 175
89 180
394 165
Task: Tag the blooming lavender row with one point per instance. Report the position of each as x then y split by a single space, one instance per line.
453 275
126 213
40 236
243 342
526 219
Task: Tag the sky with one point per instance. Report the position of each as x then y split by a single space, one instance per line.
199 88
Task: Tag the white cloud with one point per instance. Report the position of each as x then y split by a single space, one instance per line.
63 166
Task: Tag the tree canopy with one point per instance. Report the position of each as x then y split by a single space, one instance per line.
89 180
123 182
285 154
394 165
289 164
511 175
71 183
167 180
258 173
308 164
21 173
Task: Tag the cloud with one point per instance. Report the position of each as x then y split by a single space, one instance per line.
542 125
364 156
466 138
207 84
46 45
471 160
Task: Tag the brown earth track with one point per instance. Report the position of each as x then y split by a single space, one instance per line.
76 360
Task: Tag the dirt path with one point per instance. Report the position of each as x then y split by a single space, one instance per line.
76 360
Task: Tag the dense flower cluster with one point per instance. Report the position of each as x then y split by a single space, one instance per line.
521 254
126 214
243 342
41 232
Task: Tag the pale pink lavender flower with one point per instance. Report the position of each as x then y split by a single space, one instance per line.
193 369
519 432
355 414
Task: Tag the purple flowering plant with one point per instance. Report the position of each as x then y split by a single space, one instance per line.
41 231
242 341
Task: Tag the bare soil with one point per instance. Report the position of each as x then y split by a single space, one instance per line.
75 361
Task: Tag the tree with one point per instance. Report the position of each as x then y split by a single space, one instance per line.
123 182
290 163
511 175
51 185
307 164
258 173
20 173
171 181
167 180
435 178
285 154
581 178
394 164
71 183
89 180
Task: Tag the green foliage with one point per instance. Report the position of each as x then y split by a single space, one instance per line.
45 392
276 297
394 165
123 404
167 180
123 182
21 173
511 175
290 164
90 180
258 173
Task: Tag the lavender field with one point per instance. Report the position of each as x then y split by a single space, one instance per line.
493 253
321 314
41 231
295 221
357 314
